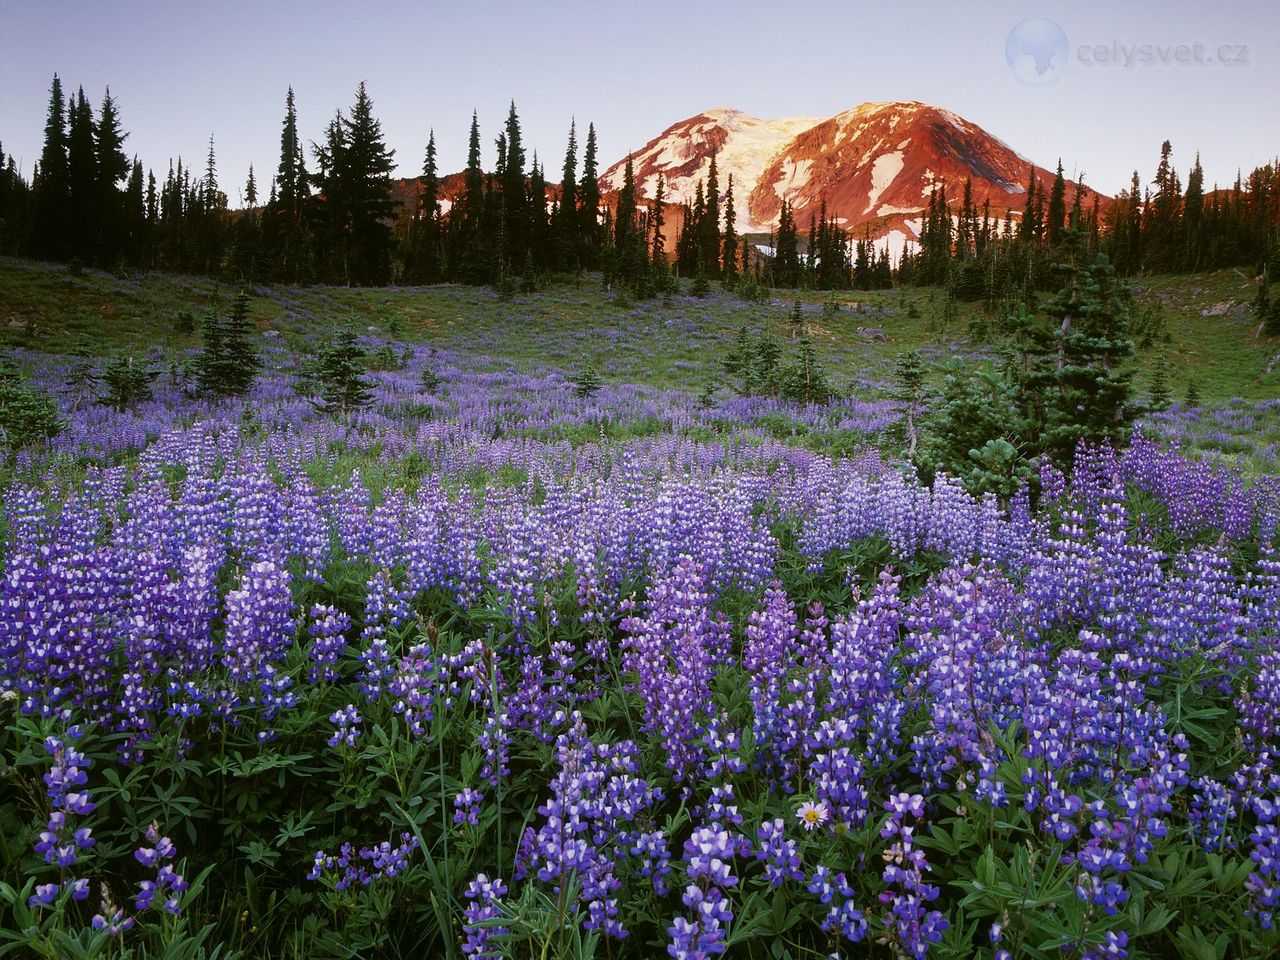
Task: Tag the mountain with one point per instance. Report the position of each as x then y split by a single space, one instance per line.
873 165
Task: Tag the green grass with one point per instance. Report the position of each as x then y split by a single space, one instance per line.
674 344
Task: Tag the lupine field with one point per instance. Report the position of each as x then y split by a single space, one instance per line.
490 670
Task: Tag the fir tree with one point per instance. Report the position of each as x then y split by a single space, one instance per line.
1057 207
515 209
284 220
973 432
786 259
52 185
112 168
739 364
27 415
126 382
565 222
82 177
586 382
589 204
229 364
658 220
709 224
1091 385
1160 393
729 245
422 260
340 375
805 381
909 392
1192 223
355 180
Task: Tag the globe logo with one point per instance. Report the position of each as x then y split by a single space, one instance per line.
1036 51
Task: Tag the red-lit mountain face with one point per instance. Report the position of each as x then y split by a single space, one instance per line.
874 166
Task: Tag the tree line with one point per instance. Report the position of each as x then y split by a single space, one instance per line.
332 214
1162 228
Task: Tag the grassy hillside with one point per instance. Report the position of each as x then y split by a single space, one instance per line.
677 343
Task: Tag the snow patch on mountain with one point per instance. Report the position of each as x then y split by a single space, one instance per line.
884 170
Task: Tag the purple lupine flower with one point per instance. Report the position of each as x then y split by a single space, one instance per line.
484 896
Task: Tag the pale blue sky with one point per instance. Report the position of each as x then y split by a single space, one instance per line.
180 73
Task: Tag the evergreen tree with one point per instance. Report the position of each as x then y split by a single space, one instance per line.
1160 226
766 365
587 382
515 207
422 262
1191 226
134 217
739 364
625 214
786 258
52 185
211 226
229 363
291 174
805 381
82 177
1161 396
909 392
467 244
356 183
284 223
973 432
1091 385
729 268
341 376
589 204
126 382
658 220
538 252
1057 207
112 168
565 222
27 415
1268 311
709 224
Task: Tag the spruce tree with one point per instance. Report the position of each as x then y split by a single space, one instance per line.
52 187
82 177
515 207
729 246
1161 396
27 415
1057 207
625 214
126 382
658 220
229 363
565 222
422 260
805 381
365 184
589 203
341 376
709 224
1192 252
112 168
586 381
134 216
1089 396
284 219
909 392
974 433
